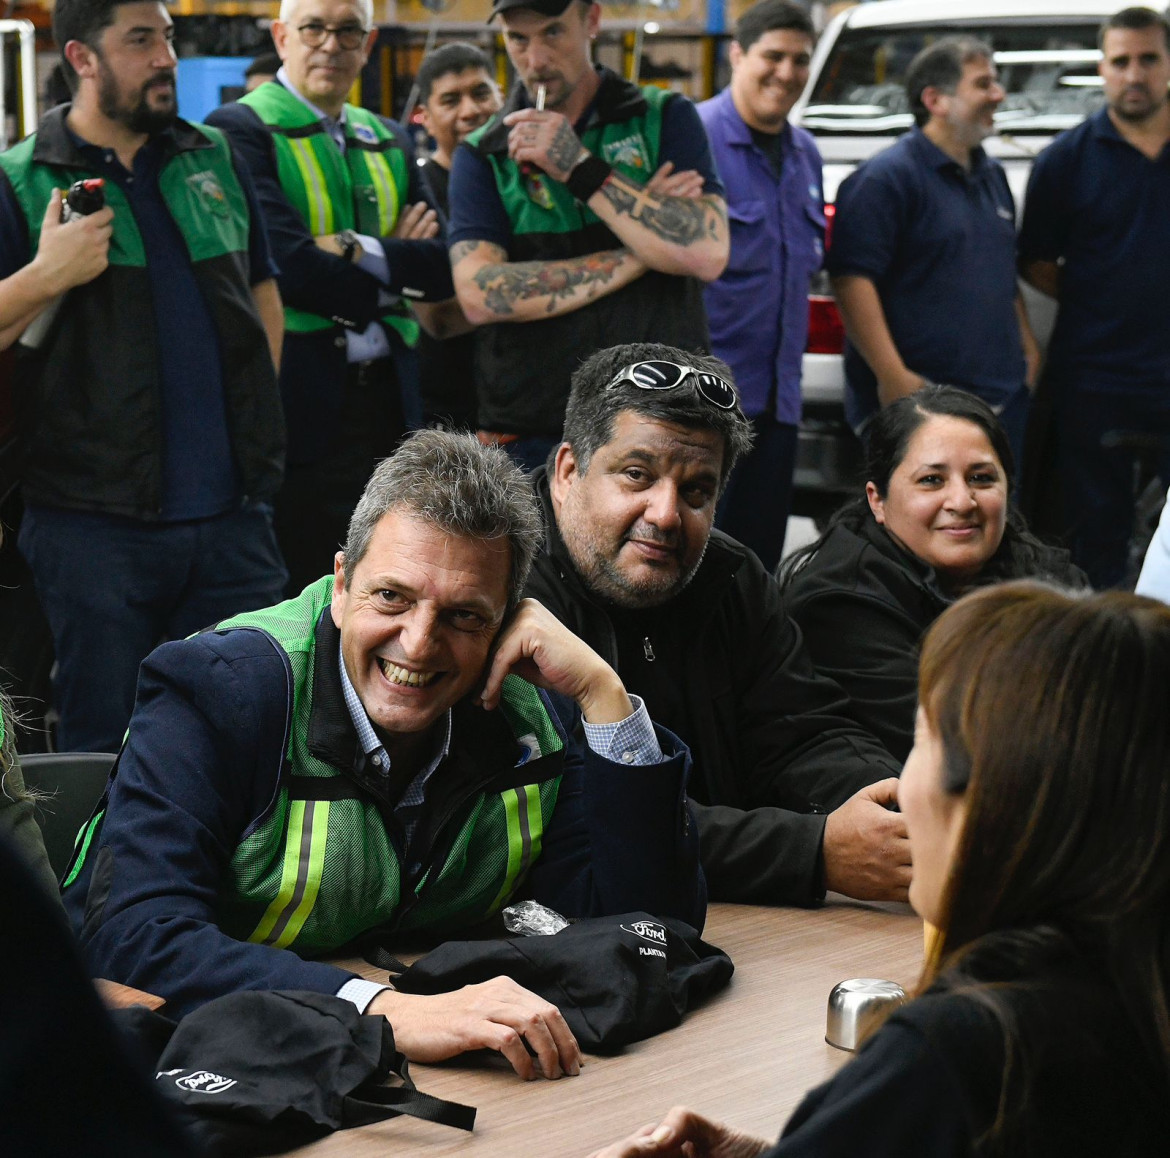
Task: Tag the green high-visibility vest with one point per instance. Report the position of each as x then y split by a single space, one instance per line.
363 189
542 213
320 868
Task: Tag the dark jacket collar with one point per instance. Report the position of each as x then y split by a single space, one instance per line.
56 145
616 101
930 154
331 735
923 574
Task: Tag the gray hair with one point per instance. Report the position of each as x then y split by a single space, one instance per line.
593 407
454 483
288 9
940 65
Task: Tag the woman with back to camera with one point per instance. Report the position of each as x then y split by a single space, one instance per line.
934 522
1037 797
17 817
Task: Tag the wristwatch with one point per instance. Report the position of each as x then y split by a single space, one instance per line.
347 244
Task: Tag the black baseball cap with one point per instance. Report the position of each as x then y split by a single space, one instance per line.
544 7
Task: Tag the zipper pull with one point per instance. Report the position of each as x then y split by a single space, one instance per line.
647 650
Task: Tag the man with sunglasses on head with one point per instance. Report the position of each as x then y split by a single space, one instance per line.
588 212
361 264
792 798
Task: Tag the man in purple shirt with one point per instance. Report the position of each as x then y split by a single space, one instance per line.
758 309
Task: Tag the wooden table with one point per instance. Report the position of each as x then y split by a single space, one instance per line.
747 1056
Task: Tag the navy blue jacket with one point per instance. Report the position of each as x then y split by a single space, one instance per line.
201 764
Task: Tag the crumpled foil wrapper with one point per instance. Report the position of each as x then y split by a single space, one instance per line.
532 919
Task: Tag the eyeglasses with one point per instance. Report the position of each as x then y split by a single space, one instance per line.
660 375
349 36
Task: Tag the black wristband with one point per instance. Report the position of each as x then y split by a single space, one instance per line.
587 177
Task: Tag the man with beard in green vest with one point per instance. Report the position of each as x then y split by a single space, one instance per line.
144 371
356 239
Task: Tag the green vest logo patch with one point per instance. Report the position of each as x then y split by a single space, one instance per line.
210 191
629 151
538 191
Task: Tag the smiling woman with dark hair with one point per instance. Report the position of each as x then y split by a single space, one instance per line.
934 521
1037 797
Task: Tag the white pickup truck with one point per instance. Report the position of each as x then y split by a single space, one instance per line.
855 104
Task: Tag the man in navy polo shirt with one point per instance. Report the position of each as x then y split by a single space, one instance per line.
151 413
758 309
923 254
1096 236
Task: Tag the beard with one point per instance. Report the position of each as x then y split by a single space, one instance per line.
1138 113
139 116
596 561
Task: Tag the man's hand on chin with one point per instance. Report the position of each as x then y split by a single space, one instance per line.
536 646
496 1014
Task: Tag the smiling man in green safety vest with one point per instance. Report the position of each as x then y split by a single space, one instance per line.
356 240
396 749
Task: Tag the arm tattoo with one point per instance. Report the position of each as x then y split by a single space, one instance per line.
460 250
565 148
678 220
509 282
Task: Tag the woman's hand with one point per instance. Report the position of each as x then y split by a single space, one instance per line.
685 1134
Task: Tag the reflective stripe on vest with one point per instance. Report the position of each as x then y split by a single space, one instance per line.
525 833
300 879
362 189
320 868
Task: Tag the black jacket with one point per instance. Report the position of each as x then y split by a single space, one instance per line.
724 667
864 603
927 1085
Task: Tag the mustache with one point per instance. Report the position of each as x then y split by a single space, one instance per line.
650 534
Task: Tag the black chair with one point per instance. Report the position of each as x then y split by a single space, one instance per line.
71 783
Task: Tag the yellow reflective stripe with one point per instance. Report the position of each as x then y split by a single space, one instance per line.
320 204
288 873
385 188
310 879
300 874
516 842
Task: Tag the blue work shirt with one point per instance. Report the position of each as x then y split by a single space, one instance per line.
200 479
1104 207
758 309
939 244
